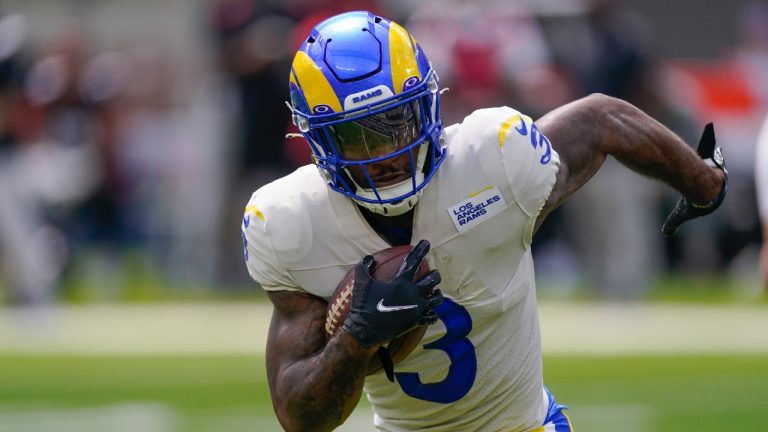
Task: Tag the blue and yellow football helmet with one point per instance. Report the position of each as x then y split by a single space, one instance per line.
364 96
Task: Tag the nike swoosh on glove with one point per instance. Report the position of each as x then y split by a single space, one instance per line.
382 311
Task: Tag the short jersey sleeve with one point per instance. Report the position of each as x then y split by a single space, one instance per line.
530 164
512 150
260 256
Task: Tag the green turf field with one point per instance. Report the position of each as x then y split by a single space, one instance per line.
228 393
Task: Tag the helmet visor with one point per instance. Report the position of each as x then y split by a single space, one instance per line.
379 134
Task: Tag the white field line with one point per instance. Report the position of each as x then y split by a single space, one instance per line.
635 328
125 417
567 328
139 329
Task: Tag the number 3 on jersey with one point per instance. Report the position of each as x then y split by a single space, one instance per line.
461 352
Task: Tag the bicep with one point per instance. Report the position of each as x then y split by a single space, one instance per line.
296 331
573 132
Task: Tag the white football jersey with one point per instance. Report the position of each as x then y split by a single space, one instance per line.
479 367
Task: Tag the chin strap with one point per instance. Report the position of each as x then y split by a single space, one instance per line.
398 189
398 209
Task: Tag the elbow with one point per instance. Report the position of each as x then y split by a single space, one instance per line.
598 111
599 96
610 113
603 103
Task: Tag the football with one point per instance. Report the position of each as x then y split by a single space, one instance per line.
386 264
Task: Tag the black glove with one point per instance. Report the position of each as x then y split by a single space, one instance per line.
684 209
381 311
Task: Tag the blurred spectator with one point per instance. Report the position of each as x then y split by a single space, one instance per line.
729 91
111 141
199 167
75 141
309 13
605 50
761 177
742 230
32 251
488 53
253 47
166 165
752 51
12 29
144 123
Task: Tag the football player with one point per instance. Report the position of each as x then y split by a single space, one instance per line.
469 197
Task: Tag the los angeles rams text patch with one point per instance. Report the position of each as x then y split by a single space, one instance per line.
477 207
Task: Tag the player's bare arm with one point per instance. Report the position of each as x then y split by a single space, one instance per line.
314 385
586 131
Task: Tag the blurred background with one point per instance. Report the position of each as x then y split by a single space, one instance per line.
133 133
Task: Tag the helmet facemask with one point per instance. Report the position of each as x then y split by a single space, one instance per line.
389 135
381 155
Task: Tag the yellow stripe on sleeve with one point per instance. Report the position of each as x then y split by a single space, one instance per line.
252 209
507 124
505 127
